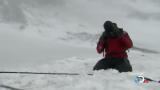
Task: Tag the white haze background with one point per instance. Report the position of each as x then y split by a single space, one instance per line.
61 36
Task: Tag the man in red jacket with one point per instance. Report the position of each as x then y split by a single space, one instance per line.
113 43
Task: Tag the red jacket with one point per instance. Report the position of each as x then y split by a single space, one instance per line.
115 47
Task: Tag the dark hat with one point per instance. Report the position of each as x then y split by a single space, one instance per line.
108 26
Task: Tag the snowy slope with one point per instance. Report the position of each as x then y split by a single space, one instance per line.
101 80
60 36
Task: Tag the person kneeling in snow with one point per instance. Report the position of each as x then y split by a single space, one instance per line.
113 43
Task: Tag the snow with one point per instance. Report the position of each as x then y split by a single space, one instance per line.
60 36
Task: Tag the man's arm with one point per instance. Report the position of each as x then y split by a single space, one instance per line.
101 43
127 41
100 46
